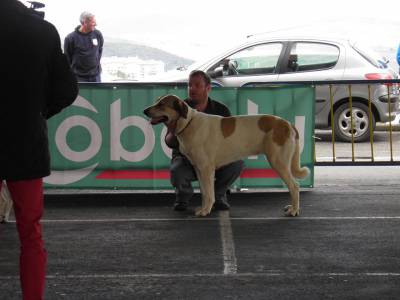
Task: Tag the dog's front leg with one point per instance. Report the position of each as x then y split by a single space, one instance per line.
206 181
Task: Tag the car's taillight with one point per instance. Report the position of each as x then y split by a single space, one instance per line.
378 76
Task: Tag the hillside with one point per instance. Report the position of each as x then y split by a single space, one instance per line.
122 48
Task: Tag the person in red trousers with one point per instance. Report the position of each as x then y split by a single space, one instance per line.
36 83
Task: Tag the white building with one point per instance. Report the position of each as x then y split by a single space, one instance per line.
129 68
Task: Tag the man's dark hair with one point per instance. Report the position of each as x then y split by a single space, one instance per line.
204 75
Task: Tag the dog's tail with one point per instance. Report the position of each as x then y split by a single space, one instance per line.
298 171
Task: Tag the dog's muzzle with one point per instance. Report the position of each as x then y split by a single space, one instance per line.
155 120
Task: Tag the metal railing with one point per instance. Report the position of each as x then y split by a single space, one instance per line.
392 84
352 159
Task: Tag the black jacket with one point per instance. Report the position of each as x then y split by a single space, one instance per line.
83 51
36 83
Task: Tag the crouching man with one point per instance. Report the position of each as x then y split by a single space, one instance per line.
182 171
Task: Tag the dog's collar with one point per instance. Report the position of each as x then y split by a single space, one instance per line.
178 133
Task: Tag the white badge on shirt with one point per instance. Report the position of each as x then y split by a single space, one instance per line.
95 42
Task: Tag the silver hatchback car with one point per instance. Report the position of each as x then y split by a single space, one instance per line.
306 59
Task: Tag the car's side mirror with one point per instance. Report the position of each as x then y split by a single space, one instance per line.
217 72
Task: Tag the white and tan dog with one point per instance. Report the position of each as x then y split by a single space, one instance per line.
211 141
5 203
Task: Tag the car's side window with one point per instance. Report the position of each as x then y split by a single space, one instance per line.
312 56
259 59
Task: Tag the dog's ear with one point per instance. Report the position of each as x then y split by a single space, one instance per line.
181 107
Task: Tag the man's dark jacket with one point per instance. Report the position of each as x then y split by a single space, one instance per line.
36 83
83 51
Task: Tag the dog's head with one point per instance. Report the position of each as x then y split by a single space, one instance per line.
167 109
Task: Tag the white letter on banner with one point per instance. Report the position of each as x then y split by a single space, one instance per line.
252 109
95 138
117 126
300 121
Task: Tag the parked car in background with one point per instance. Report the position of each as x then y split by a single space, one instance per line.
309 59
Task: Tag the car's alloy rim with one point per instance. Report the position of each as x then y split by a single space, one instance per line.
360 122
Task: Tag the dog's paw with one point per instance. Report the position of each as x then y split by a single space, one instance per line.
202 212
290 212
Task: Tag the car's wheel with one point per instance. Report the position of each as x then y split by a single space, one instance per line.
361 123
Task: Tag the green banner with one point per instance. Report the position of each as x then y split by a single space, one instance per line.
104 141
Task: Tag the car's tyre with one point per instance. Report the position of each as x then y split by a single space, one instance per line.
361 123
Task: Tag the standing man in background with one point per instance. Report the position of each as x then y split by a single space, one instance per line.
83 48
36 83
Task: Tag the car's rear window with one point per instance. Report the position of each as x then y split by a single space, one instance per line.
369 55
306 56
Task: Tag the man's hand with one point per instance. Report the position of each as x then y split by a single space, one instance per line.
170 138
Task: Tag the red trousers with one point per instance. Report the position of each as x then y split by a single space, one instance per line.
27 197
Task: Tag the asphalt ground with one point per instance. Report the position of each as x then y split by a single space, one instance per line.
121 245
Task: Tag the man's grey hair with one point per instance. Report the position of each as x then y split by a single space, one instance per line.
85 16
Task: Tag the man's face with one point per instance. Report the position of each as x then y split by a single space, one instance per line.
198 89
90 24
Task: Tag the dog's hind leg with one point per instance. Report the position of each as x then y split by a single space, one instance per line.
280 162
206 181
293 209
283 171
